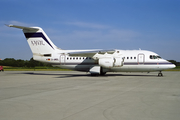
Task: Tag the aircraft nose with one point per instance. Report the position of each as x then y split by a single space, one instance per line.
173 66
170 65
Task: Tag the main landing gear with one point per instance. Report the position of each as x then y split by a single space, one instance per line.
102 72
160 74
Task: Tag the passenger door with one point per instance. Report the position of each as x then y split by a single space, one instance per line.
141 58
62 59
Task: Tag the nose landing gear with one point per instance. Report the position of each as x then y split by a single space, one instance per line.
160 74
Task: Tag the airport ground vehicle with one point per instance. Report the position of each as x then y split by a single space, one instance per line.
1 68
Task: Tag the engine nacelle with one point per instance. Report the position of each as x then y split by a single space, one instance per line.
111 62
106 62
118 61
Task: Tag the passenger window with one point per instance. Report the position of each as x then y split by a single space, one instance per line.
131 57
127 57
134 57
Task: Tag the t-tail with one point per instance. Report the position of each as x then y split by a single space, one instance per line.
40 44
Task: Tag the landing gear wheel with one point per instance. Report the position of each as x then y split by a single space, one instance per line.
101 71
94 74
160 74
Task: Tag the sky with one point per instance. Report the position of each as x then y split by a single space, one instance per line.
152 25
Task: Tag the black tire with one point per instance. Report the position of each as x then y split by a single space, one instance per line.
101 71
160 74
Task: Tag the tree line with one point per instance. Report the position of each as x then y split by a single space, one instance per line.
32 63
22 63
174 62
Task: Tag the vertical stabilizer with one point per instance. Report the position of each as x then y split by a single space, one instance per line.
37 39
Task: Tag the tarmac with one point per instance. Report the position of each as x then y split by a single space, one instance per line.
70 95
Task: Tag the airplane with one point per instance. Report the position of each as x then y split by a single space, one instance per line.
94 61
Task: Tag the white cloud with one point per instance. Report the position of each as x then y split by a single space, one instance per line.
87 25
99 35
122 35
20 23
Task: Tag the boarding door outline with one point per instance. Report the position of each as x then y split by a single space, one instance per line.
141 58
62 59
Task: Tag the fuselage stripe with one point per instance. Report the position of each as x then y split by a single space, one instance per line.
147 63
126 63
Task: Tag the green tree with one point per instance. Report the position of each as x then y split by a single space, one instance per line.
9 62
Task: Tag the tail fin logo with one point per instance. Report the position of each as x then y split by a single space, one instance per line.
37 43
35 35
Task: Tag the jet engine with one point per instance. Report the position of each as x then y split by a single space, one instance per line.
111 62
106 62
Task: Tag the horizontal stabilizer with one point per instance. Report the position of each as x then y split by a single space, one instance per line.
23 28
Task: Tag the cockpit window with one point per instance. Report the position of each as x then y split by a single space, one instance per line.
151 57
159 57
154 57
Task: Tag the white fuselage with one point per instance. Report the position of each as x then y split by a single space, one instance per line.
134 61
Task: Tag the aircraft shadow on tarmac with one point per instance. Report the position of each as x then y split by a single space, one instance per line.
66 75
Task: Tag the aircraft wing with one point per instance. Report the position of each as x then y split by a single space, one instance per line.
91 53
